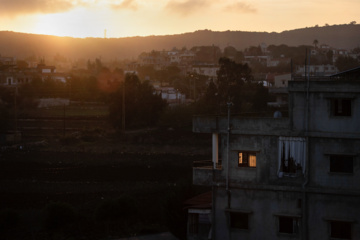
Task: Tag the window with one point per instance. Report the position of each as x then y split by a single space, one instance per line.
291 155
247 159
341 164
340 230
239 220
288 225
193 223
341 107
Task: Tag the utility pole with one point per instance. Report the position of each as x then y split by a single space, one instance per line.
64 121
123 109
15 109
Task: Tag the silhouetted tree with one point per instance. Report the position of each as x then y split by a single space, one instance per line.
231 78
143 106
315 42
346 63
234 84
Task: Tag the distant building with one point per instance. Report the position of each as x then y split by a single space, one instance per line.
172 96
280 90
209 70
316 70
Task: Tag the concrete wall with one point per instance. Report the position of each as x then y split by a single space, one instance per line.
323 208
320 116
259 126
263 208
320 176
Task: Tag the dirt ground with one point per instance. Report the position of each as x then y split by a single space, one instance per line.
86 169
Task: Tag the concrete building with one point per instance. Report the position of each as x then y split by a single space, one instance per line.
209 70
288 178
316 70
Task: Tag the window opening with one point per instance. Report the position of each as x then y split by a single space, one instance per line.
292 155
239 220
341 164
341 107
288 225
193 223
247 159
340 230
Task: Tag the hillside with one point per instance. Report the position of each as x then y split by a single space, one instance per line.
23 45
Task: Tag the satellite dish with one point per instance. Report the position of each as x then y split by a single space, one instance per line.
277 114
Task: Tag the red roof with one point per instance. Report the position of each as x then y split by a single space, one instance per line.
203 201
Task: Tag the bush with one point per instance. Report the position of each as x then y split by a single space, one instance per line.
59 217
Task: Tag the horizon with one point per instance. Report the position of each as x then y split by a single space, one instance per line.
140 18
286 30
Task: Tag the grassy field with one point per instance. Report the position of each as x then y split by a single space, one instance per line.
31 180
90 166
73 110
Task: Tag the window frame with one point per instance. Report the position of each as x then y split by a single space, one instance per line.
247 154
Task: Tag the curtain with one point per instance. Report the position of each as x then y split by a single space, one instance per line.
291 149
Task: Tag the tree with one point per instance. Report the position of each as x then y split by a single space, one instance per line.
315 42
143 106
230 52
346 63
234 84
231 78
254 51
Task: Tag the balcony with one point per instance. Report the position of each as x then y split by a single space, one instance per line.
204 174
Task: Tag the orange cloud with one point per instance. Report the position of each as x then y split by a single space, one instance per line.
186 8
241 7
17 7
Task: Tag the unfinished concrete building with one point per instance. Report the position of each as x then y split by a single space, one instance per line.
288 178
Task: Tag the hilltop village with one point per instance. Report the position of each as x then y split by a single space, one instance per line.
181 75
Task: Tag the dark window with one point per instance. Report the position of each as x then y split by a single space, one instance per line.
341 107
340 230
193 223
288 225
341 164
247 159
239 220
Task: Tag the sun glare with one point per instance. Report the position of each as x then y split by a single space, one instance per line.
78 23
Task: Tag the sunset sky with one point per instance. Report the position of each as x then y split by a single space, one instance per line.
122 18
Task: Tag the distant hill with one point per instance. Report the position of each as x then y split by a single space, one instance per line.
23 45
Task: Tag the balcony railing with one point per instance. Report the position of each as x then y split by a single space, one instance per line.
207 164
204 174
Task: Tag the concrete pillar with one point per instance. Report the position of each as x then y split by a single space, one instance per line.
215 149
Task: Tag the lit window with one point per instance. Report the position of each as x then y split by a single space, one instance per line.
341 107
340 230
341 164
247 159
288 225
